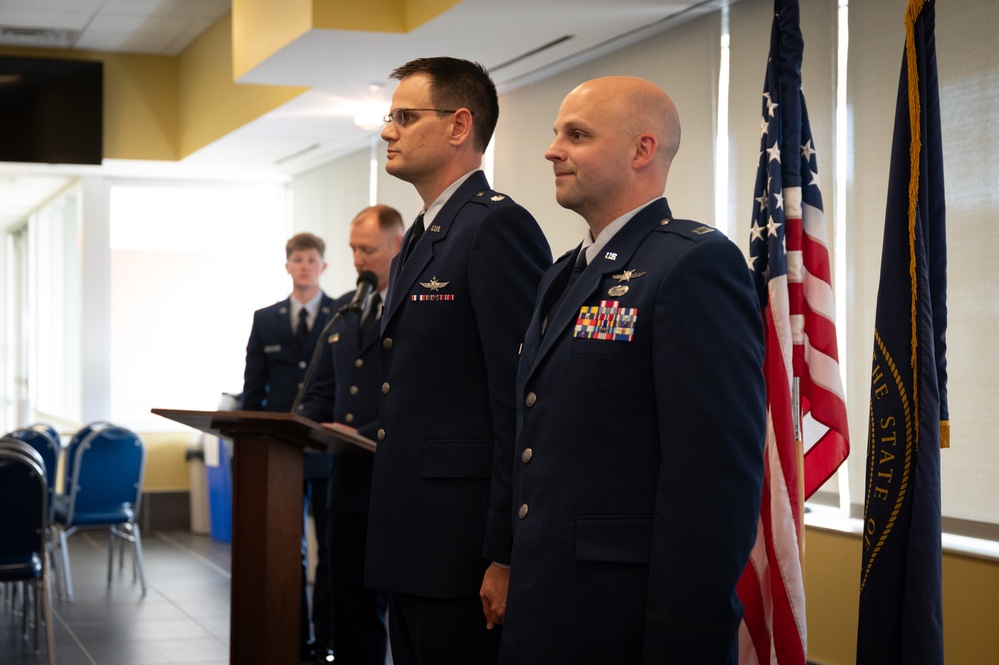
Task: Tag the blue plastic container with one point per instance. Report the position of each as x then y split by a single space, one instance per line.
220 495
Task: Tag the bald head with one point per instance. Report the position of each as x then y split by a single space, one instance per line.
639 106
615 139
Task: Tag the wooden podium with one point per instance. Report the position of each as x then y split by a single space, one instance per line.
266 594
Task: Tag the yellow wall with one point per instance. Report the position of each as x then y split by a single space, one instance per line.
141 114
166 466
211 103
832 591
377 15
262 28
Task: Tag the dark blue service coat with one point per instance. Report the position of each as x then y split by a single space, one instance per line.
451 330
638 465
346 390
275 361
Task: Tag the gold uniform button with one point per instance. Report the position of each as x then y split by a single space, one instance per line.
349 417
387 343
302 364
527 455
354 390
359 362
386 388
523 511
381 434
531 399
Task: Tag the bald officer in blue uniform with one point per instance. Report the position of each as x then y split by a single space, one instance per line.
640 421
461 297
346 391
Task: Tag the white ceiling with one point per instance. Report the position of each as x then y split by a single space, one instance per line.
162 27
519 41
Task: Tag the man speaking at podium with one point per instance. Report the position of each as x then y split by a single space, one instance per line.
346 391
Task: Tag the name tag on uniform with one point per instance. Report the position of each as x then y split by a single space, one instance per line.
273 348
607 321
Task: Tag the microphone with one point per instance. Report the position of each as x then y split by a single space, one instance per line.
367 281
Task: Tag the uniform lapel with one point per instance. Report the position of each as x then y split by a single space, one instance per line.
615 257
282 326
404 276
548 293
365 336
322 318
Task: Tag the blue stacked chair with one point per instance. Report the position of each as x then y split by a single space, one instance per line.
50 449
45 428
70 450
23 523
105 469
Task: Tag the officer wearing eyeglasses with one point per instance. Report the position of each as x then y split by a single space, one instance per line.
462 292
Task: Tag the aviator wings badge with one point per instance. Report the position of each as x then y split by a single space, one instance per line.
620 289
628 275
433 284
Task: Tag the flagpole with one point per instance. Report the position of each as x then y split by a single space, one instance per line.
799 441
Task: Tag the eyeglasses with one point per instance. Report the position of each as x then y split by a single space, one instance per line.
403 117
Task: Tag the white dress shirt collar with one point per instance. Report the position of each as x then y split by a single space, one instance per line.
593 246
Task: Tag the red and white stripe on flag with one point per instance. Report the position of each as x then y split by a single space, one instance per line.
813 329
771 588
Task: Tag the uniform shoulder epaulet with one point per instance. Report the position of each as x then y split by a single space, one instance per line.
686 227
490 197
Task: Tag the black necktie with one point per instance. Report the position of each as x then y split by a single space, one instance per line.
414 237
302 329
577 269
369 322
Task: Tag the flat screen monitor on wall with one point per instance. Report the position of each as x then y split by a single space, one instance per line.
51 111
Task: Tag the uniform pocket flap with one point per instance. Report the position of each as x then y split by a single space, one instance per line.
458 459
614 539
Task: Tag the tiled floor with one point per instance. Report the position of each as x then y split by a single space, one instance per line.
182 619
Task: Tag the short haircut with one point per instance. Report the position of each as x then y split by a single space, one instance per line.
459 84
304 241
389 218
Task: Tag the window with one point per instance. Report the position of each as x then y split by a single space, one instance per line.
189 265
41 367
852 120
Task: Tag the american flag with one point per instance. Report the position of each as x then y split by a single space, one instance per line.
790 263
